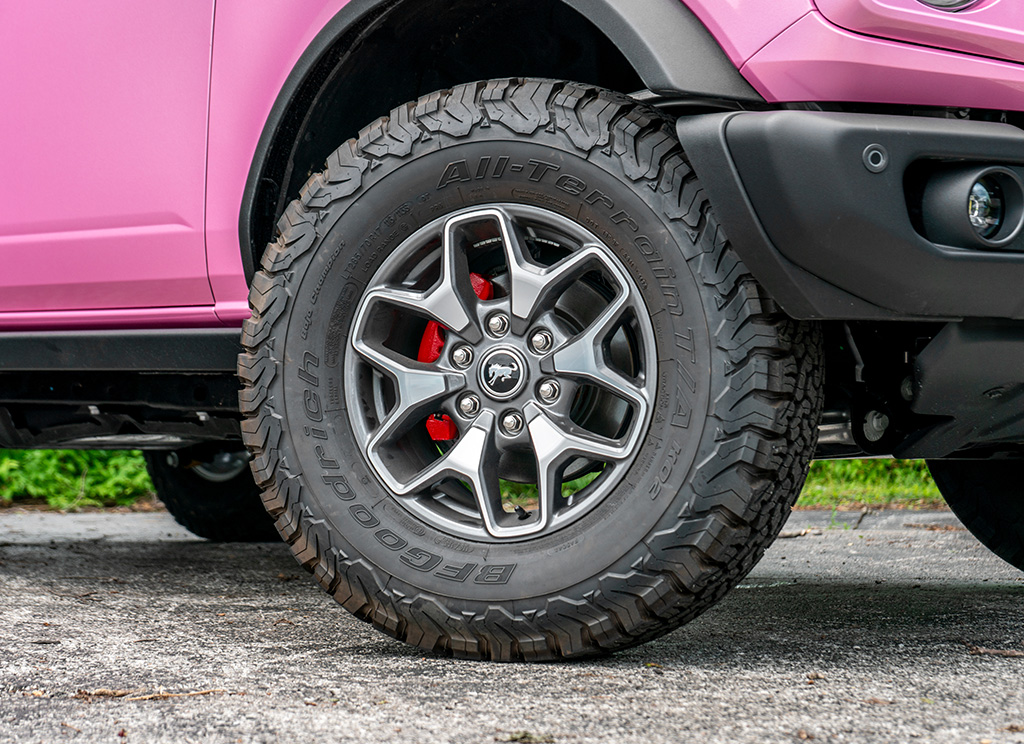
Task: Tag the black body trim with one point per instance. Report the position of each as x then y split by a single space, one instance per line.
671 50
173 350
831 235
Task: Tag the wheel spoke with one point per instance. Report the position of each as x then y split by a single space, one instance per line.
440 304
450 301
583 357
470 459
418 388
532 286
473 459
554 446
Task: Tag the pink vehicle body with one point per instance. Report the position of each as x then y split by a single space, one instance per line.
126 156
535 364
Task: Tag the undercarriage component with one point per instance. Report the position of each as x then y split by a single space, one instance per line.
972 375
107 410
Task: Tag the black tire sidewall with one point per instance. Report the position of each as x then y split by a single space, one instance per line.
397 198
222 511
985 495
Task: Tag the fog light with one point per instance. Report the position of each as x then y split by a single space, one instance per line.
985 207
994 197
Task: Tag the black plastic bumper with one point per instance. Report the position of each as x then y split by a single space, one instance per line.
831 237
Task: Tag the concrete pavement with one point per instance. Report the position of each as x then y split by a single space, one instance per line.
123 628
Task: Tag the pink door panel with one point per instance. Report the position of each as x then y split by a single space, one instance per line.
993 28
102 156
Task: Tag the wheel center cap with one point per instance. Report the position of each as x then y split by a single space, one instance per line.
503 373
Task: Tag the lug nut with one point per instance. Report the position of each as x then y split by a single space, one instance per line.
469 405
512 423
548 391
462 357
497 324
541 341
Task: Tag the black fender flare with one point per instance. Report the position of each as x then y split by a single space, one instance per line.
670 49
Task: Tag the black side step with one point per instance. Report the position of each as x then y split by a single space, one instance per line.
172 350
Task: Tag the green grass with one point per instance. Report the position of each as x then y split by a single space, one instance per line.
525 494
70 479
837 484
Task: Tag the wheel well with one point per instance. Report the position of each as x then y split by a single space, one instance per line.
404 50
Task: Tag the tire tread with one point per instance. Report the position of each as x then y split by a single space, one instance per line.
764 418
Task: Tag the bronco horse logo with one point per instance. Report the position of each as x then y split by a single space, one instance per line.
498 372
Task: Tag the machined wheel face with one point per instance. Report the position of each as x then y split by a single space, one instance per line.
538 371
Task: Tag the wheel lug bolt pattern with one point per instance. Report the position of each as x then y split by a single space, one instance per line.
497 324
548 391
462 357
541 340
512 423
469 405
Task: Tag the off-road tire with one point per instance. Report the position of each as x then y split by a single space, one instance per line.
986 495
226 511
724 456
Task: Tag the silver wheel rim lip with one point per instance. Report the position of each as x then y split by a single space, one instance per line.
538 426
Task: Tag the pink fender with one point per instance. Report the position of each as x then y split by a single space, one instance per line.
990 29
814 60
742 27
253 53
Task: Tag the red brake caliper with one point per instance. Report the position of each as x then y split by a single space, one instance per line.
440 426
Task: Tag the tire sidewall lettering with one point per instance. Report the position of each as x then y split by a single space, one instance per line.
346 491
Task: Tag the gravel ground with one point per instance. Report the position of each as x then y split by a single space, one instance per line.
124 628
